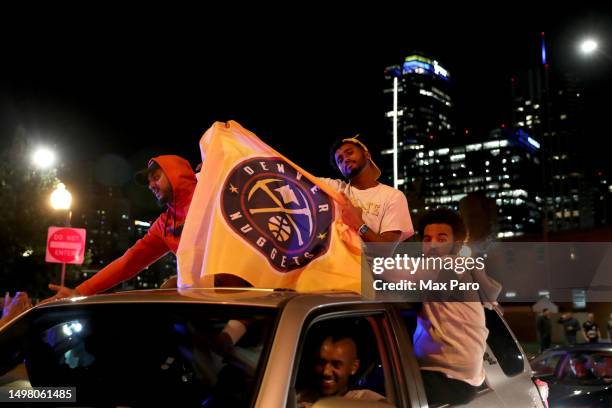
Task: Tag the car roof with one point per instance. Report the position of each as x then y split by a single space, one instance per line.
272 298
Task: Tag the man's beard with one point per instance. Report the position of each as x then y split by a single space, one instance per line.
354 172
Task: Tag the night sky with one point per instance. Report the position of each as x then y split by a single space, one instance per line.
133 84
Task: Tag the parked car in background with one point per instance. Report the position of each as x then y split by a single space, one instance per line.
578 375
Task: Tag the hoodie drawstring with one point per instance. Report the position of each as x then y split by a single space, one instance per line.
173 218
166 222
174 215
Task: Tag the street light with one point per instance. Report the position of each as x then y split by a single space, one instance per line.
61 199
588 46
43 157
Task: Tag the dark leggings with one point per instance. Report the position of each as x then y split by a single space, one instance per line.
443 390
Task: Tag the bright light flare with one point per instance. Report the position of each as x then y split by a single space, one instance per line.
588 46
43 158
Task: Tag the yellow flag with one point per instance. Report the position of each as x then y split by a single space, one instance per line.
257 215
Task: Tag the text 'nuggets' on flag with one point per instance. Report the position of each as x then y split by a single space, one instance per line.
258 216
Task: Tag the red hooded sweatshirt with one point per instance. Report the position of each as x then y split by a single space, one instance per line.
163 236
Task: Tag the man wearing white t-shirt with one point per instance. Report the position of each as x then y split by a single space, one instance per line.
379 213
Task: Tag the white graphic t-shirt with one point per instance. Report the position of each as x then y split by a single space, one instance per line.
384 208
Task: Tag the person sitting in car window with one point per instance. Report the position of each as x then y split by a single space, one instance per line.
451 333
337 360
450 339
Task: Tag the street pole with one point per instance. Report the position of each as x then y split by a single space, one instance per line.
395 142
63 276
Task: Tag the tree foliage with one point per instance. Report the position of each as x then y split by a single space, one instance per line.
26 215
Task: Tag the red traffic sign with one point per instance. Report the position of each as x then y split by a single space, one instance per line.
65 245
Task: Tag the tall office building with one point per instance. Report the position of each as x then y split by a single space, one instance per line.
547 105
419 112
500 166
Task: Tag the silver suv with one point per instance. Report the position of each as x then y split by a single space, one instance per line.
165 348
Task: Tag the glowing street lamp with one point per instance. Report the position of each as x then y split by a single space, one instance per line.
43 158
61 199
588 46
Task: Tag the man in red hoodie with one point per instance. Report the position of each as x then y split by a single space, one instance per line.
172 181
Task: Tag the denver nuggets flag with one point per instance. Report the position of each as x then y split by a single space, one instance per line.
257 215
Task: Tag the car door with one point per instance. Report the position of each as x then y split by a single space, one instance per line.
381 369
406 323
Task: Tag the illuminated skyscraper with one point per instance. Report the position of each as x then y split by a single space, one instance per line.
419 112
548 106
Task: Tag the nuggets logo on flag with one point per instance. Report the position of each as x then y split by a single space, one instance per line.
278 212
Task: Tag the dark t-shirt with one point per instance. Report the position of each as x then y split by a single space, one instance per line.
570 326
544 326
590 329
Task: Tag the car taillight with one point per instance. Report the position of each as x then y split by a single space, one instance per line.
543 390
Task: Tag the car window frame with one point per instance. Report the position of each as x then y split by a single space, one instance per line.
361 310
21 327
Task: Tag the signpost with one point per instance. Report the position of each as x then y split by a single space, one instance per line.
65 246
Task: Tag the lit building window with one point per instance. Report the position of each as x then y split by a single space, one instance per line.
491 145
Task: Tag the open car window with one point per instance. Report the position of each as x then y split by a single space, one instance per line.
368 383
139 354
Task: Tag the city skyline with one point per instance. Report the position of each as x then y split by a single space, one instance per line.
131 92
135 92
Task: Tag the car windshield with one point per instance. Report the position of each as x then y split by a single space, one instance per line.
135 354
